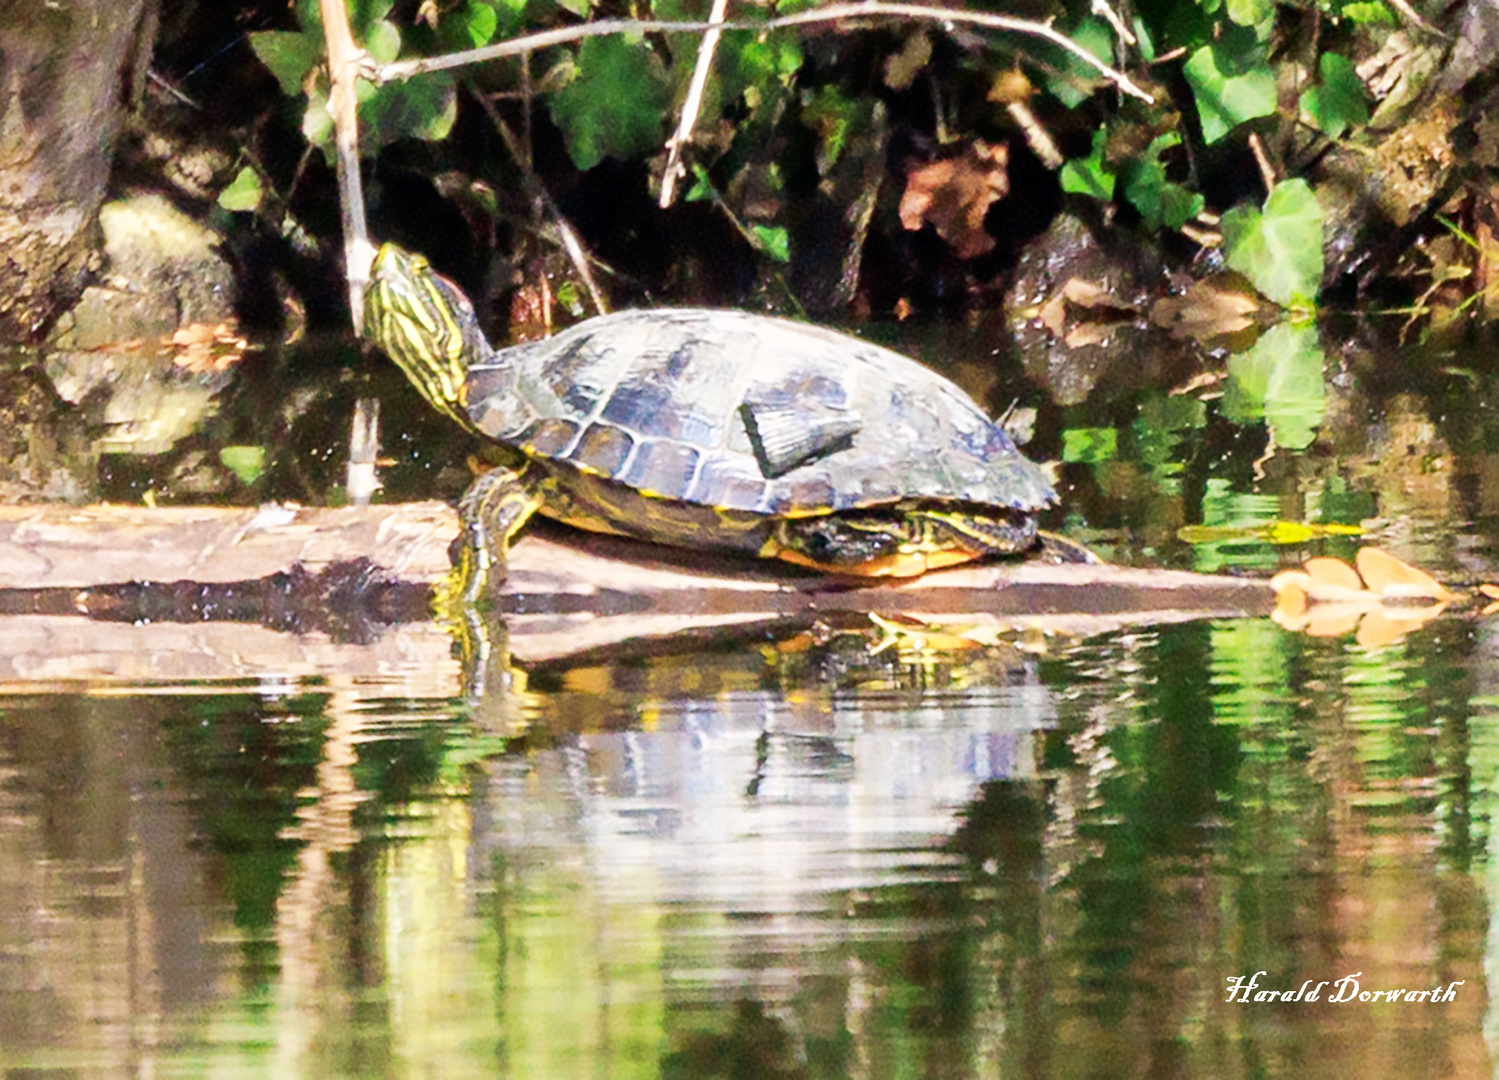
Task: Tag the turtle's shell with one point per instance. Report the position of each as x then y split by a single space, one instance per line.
748 413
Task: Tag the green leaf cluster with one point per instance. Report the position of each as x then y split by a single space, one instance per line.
614 102
423 107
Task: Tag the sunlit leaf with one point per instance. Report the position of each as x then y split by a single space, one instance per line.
1280 248
1250 12
1223 100
382 40
469 26
243 192
1280 379
245 462
1089 445
773 240
616 103
1371 14
1090 175
1339 102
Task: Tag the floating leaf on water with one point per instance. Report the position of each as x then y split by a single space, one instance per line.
1331 571
1394 579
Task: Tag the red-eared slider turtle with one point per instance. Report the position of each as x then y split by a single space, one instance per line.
714 430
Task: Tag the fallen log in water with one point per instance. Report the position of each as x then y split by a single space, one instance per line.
566 592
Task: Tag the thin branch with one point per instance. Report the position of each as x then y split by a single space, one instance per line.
405 69
675 170
345 63
543 199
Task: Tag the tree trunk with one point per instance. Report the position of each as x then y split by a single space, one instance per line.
68 73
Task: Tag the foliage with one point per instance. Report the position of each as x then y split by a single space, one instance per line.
1280 380
1278 248
613 103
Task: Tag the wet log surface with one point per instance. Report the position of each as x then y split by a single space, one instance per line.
214 572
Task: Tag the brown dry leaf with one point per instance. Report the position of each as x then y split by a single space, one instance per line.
953 195
1087 333
1053 314
1334 572
902 68
1384 626
201 348
1327 598
1392 579
1491 591
531 313
1090 294
1203 312
1334 620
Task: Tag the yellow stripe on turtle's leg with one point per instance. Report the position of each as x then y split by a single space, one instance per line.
493 509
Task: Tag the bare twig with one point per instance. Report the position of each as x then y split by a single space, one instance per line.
405 69
675 170
539 194
1101 8
346 61
1262 159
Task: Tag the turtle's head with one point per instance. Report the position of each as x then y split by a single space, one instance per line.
426 325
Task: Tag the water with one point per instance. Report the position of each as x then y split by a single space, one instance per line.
226 851
801 861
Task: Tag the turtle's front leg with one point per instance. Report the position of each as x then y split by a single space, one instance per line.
493 509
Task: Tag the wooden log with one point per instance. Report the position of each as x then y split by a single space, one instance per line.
51 546
566 592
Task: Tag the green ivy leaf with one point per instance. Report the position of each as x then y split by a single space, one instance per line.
1071 80
1250 12
1279 249
288 55
1374 14
1225 101
773 240
422 107
1089 445
615 104
245 462
382 40
469 26
1160 201
1280 380
243 192
1090 175
1338 103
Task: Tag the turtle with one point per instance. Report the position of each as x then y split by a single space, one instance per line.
712 430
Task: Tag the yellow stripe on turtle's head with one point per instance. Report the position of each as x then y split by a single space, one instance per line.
426 325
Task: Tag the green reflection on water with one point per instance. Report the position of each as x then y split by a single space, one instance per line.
752 864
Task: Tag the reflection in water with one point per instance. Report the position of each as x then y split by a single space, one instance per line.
791 862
